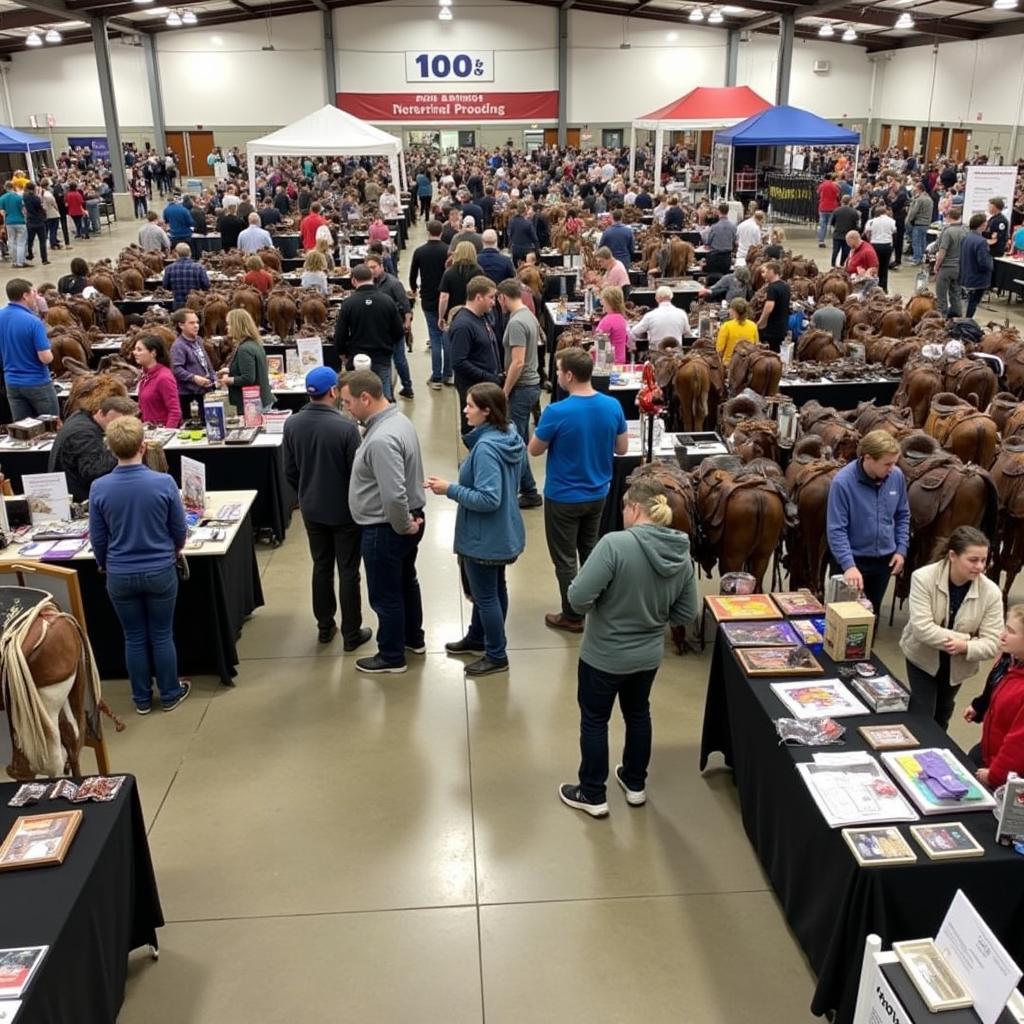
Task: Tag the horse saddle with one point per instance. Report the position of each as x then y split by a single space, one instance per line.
812 417
946 416
811 472
932 483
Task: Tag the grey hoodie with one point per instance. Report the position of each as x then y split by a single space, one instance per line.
633 584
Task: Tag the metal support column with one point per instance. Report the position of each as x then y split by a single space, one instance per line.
101 45
786 24
732 53
330 72
563 76
156 96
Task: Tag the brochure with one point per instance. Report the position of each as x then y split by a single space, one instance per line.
193 484
48 497
311 353
855 792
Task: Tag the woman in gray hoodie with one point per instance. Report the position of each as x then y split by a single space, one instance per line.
635 582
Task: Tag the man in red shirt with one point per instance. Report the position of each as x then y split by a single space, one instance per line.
828 202
863 261
310 223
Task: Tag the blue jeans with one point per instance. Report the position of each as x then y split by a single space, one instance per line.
520 405
440 357
32 400
824 219
918 241
52 225
382 367
92 208
394 591
490 607
596 692
402 365
82 226
144 602
17 239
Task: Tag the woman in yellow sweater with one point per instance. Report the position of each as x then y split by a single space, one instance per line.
736 329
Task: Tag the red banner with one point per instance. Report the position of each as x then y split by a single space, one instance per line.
440 106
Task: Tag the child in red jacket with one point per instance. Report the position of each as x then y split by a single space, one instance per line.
1000 708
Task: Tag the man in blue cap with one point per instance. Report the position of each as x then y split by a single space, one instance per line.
319 448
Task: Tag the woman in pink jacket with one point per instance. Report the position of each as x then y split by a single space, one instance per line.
158 390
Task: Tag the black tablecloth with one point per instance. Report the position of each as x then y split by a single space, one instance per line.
92 910
206 243
287 245
843 395
128 306
611 514
645 297
14 465
553 286
830 902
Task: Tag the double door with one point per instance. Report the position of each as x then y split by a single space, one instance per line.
190 152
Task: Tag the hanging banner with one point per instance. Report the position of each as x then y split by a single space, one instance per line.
450 107
456 66
985 183
97 144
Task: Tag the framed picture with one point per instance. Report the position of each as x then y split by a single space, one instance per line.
934 979
948 840
39 840
16 969
937 782
814 700
778 661
807 631
742 606
888 737
798 602
881 845
760 634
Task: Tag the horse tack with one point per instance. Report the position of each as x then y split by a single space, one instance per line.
967 377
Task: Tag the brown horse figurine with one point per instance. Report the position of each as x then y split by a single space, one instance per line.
806 544
755 367
961 429
1008 477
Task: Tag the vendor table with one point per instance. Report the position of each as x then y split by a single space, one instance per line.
845 394
331 357
830 902
287 244
1005 271
206 243
92 910
684 294
142 305
553 284
223 589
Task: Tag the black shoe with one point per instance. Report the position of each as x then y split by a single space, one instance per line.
364 634
420 648
572 796
485 667
143 709
186 689
46 263
531 501
378 664
406 393
327 633
464 646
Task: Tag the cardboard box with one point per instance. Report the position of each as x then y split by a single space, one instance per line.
849 631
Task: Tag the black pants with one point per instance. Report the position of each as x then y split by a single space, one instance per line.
875 571
37 231
718 262
932 695
840 249
394 588
571 530
884 251
64 227
425 202
974 297
899 241
774 343
339 546
596 692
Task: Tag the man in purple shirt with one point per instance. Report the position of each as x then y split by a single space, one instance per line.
190 363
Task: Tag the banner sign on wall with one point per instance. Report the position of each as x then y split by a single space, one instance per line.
985 183
441 107
98 144
453 66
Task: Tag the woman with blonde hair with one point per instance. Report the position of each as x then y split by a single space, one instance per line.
635 582
739 327
325 246
452 290
773 251
613 323
248 364
314 271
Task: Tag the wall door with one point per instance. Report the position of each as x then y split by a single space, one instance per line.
190 151
905 139
176 143
960 137
572 137
935 144
550 136
885 141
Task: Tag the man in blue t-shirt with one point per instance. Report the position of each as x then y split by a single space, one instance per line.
581 434
179 222
26 354
619 238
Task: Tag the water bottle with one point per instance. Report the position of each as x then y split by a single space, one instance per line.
921 281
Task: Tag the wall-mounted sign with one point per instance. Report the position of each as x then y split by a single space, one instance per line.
454 66
448 107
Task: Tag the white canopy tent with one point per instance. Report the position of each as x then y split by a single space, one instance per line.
332 132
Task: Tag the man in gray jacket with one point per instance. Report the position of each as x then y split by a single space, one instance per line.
947 264
919 217
386 498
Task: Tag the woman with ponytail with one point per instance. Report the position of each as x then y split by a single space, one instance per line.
634 583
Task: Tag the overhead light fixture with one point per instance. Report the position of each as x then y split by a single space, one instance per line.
189 17
33 39
696 14
445 14
905 20
730 9
174 19
1004 5
826 30
141 2
849 34
161 11
53 36
715 17
672 37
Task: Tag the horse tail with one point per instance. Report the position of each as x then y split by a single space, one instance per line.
699 407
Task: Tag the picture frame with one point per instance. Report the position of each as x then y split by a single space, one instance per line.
39 840
771 633
17 966
807 631
798 602
879 845
818 698
888 737
778 661
725 607
905 768
947 840
935 980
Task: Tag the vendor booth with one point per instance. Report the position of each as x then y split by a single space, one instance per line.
332 132
13 141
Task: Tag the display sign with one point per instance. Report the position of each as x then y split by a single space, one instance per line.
793 196
985 183
449 66
448 107
97 144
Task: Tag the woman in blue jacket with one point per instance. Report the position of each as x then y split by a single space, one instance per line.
489 532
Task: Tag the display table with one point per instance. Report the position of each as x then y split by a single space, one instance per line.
845 394
206 243
142 305
92 910
278 348
684 294
222 591
287 244
1005 271
830 902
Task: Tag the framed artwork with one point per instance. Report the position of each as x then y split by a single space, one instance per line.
881 845
39 840
778 661
937 782
760 634
807 631
798 602
742 606
935 980
947 840
888 737
814 700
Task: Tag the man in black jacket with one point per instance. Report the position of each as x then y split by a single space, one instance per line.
230 225
392 287
428 263
369 324
79 450
476 351
319 449
522 234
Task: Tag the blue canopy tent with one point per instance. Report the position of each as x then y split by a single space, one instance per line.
13 141
785 126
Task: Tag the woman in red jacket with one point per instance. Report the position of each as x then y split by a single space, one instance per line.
1000 708
158 390
75 201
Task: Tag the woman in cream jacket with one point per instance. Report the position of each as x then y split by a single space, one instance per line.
956 616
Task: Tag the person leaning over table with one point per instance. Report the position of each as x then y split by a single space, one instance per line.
634 583
665 321
739 327
868 517
730 286
248 364
1000 708
158 390
137 530
79 450
190 363
956 616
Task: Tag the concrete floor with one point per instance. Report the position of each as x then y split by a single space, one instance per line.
335 847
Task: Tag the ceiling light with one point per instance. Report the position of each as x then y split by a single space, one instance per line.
715 17
189 17
53 36
445 3
730 9
33 39
905 21
1004 5
160 10
174 19
696 14
826 29
849 35
445 14
142 1
672 36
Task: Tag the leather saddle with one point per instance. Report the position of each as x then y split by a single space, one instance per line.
811 472
947 413
933 477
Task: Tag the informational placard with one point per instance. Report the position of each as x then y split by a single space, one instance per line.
449 66
883 1006
48 498
98 145
450 107
1011 808
986 182
193 484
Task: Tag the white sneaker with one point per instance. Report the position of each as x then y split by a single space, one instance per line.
634 797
